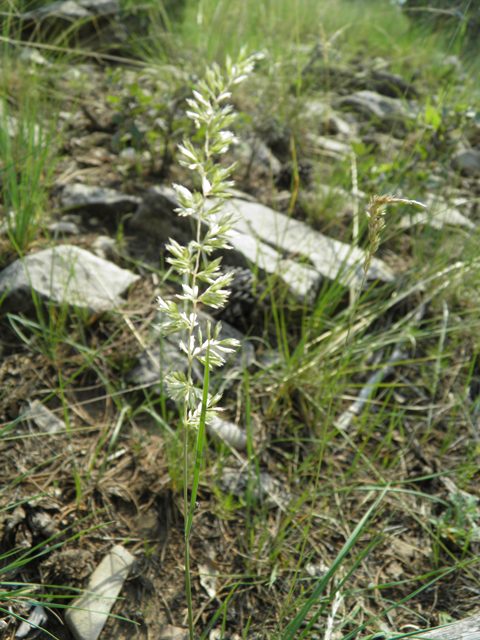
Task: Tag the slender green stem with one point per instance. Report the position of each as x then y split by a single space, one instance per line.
188 588
188 584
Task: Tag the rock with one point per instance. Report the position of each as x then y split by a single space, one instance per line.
328 146
97 200
130 155
29 54
365 394
392 84
103 247
156 362
384 144
325 119
169 632
208 576
87 615
302 280
276 243
67 10
36 620
467 162
452 63
44 418
64 226
371 104
101 7
64 275
8 124
262 485
339 126
330 258
247 302
157 219
316 110
80 19
228 432
252 150
437 215
328 76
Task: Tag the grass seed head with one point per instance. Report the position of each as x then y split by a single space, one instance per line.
376 221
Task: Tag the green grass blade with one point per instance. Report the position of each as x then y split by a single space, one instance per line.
296 623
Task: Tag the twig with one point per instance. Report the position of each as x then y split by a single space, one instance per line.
345 420
357 407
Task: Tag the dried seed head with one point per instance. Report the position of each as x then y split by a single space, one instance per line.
376 222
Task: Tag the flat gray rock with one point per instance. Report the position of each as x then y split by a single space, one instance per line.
28 54
36 620
64 227
97 200
263 486
467 162
65 274
88 614
321 115
156 218
437 215
74 10
329 146
252 150
44 418
301 278
371 103
228 432
69 9
296 242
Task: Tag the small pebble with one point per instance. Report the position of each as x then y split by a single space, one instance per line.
88 614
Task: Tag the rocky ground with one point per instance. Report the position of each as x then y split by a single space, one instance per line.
90 454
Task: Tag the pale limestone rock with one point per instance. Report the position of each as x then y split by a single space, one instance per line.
88 614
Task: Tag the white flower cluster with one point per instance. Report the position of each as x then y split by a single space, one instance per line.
192 262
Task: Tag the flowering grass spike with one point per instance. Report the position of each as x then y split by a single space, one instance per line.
376 222
203 283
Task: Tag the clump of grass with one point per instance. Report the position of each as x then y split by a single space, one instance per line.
193 263
27 163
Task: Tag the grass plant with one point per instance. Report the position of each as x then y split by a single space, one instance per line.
193 264
27 164
28 144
